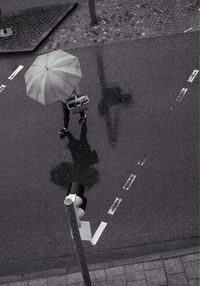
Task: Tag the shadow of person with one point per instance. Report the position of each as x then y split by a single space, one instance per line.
81 170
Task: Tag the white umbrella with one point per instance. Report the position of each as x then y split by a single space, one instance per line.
52 77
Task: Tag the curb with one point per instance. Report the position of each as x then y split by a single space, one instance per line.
99 266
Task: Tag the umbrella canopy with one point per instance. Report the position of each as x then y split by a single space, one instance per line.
52 77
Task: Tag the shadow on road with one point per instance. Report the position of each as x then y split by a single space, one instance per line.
112 100
81 170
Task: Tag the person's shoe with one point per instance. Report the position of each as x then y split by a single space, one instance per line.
82 119
63 130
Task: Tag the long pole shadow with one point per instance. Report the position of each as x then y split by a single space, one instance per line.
113 99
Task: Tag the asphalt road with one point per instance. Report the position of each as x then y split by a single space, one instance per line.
133 117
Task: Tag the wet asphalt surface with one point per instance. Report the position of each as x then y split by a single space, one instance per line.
133 115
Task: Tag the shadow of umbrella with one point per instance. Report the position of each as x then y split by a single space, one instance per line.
81 170
111 97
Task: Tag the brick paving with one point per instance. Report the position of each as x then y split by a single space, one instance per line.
122 20
31 26
176 268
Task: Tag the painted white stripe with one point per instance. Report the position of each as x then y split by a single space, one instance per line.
15 72
129 182
98 232
193 75
114 206
181 94
188 30
141 162
2 87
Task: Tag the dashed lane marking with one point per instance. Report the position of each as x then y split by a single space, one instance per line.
181 94
193 75
188 30
114 206
141 162
2 87
129 182
98 232
16 72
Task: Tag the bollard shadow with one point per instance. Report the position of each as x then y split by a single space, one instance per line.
81 170
113 99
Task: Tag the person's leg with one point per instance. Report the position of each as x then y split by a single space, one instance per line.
82 117
65 118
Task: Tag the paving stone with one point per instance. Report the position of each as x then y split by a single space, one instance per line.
173 265
178 279
53 281
114 271
38 282
137 283
191 257
63 280
156 277
97 275
153 264
74 278
134 272
192 269
119 280
194 282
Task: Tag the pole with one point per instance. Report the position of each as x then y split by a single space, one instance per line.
78 243
93 16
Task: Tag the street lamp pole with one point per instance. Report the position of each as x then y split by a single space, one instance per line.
75 205
78 243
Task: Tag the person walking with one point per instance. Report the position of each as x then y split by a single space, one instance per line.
66 114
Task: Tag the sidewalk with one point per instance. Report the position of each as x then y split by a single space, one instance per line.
120 20
175 268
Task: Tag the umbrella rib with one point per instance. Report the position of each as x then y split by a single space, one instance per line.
52 87
38 90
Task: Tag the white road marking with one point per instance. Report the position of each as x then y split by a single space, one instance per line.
188 29
16 72
114 206
193 75
129 182
2 87
141 162
98 232
181 94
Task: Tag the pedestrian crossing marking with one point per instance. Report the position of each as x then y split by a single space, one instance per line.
98 232
181 94
20 67
114 206
188 29
2 87
129 182
141 162
193 75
